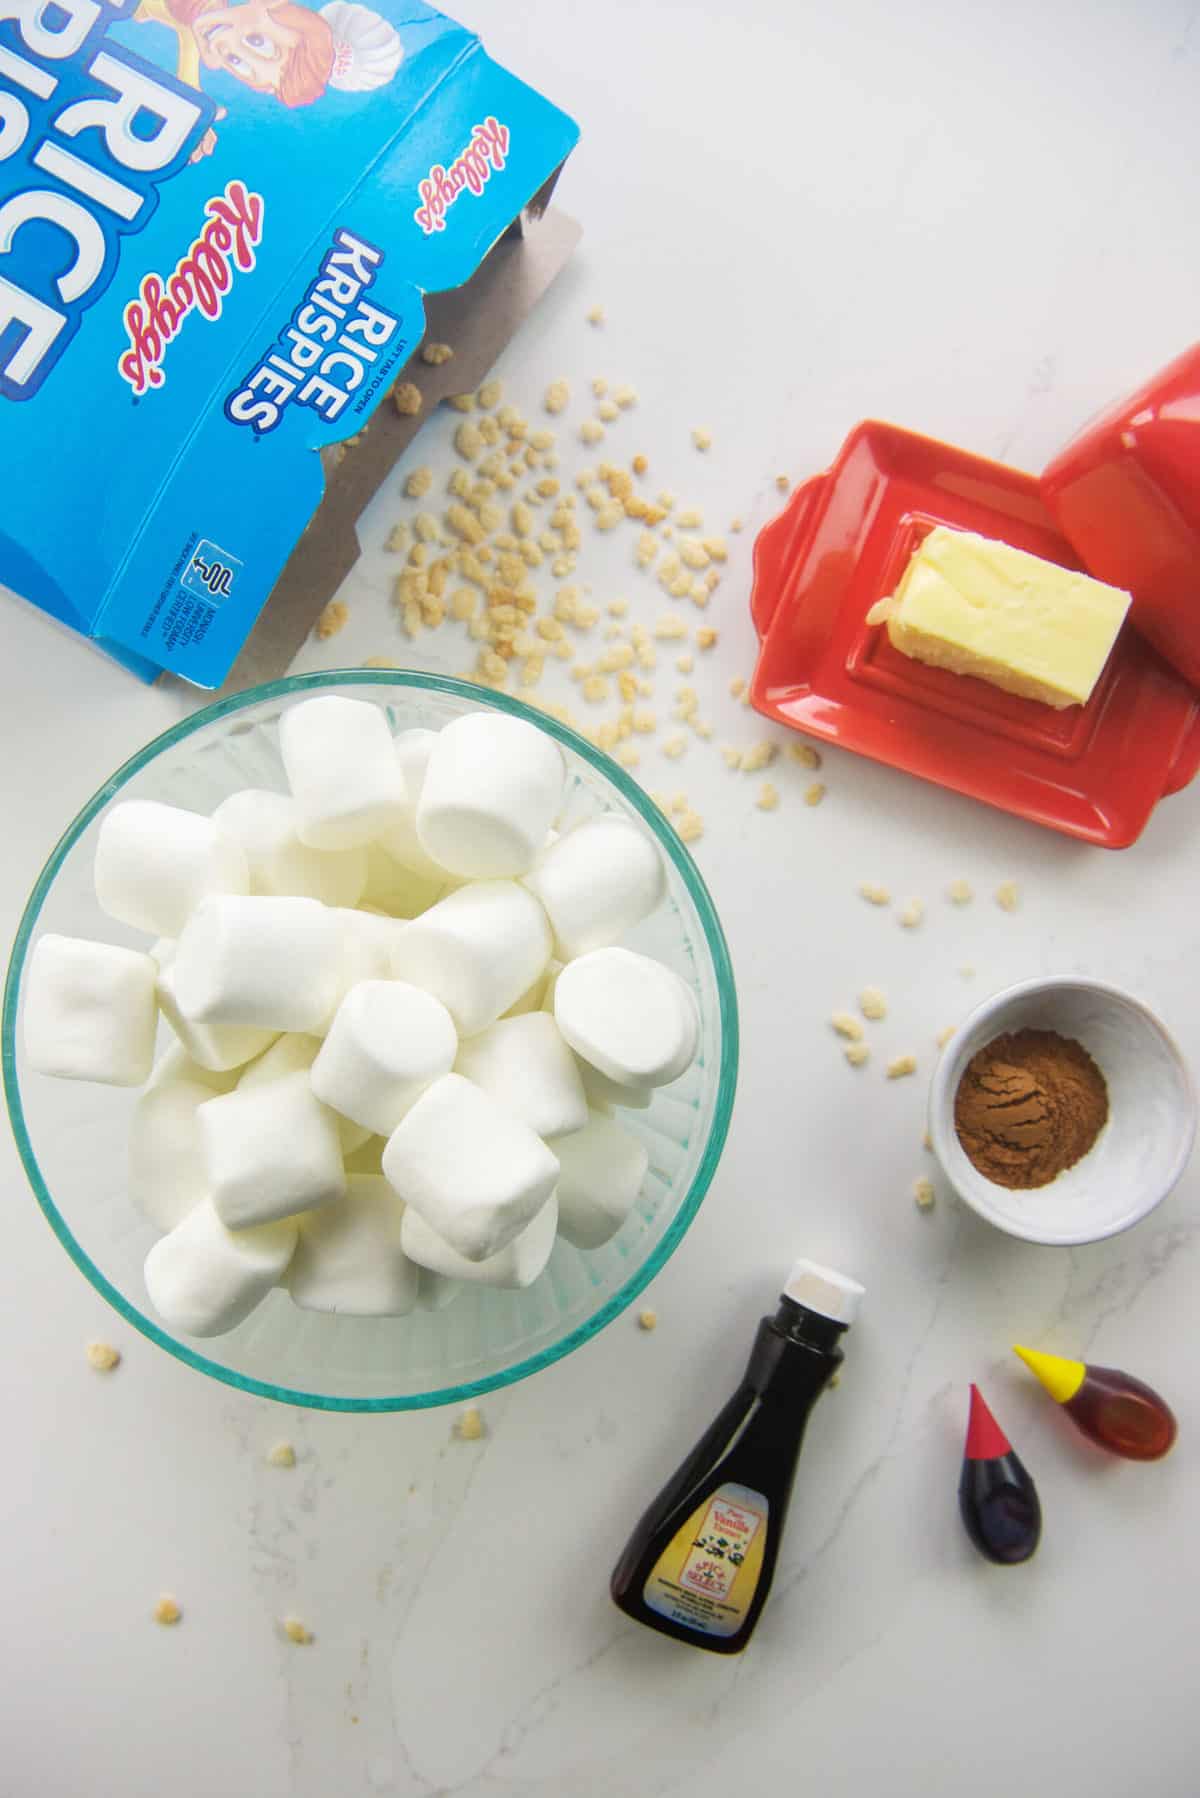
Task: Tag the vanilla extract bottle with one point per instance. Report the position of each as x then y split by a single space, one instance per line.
699 1564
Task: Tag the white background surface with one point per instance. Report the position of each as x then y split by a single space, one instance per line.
978 222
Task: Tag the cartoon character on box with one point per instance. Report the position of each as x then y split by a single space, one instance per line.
278 47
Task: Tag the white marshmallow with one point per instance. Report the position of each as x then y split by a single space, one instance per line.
492 789
603 1093
263 825
435 1291
597 882
396 889
524 1064
264 963
204 1279
154 864
367 1158
476 1175
89 1011
368 940
400 839
533 998
517 1264
602 1172
176 1064
388 1041
349 1259
166 1163
218 1048
294 1055
477 950
631 1017
270 1150
342 769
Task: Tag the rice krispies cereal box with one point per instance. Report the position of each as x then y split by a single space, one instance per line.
218 220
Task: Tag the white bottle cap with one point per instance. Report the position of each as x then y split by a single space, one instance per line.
820 1289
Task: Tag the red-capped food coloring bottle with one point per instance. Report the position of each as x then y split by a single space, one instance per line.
699 1564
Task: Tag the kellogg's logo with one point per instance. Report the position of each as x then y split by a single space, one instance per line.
485 153
199 283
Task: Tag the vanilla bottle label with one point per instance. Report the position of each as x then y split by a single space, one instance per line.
707 1575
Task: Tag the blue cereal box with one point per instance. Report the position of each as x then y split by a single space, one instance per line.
218 222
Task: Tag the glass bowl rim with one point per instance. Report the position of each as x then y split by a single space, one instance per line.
667 839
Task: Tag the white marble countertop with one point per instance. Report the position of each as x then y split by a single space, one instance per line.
974 221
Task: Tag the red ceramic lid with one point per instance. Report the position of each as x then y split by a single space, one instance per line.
1126 495
1095 771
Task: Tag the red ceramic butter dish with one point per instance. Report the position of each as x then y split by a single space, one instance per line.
1126 492
843 540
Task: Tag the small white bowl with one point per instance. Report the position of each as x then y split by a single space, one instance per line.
1141 1151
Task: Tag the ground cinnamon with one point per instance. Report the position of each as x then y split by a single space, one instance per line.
1029 1105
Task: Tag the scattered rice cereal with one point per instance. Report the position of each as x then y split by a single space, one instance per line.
768 797
490 394
102 1356
647 1319
901 1066
470 1426
702 438
912 914
167 1611
759 755
1008 896
436 354
596 316
924 1194
847 1025
959 892
805 754
874 895
419 482
332 619
407 399
872 1004
296 1632
857 1054
281 1455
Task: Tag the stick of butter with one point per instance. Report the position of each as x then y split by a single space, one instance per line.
973 606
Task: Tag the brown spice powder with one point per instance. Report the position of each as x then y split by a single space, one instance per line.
1029 1105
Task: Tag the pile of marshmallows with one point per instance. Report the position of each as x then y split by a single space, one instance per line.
402 950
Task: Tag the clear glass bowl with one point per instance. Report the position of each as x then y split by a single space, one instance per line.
72 1137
